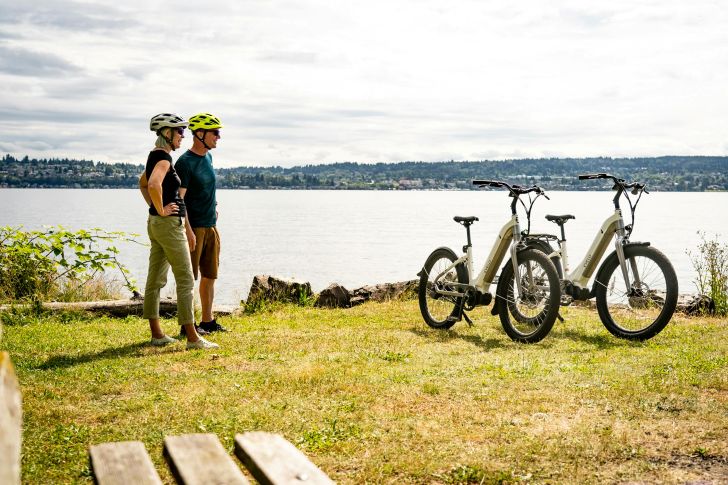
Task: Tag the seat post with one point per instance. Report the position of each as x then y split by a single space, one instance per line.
563 234
467 231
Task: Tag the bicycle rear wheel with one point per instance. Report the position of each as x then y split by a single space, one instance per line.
528 316
441 311
643 310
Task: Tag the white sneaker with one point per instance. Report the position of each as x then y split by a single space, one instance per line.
160 342
201 344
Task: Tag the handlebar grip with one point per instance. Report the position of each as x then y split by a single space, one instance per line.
490 183
590 176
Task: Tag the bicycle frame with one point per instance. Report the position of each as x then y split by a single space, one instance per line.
509 235
613 226
584 271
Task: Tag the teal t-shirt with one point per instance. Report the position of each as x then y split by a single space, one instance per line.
198 177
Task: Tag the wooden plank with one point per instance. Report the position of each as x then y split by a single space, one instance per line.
272 460
201 459
11 415
122 463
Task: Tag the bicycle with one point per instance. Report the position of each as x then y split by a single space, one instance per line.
528 288
635 287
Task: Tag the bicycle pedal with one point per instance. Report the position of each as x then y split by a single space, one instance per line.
452 319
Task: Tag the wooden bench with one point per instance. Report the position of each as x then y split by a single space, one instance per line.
201 459
10 422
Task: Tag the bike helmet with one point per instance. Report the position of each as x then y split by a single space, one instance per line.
166 120
204 121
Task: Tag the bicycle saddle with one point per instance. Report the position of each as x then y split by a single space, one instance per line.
465 220
559 219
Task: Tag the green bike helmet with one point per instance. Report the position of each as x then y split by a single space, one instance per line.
204 121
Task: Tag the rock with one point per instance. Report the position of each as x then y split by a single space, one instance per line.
695 304
267 288
356 300
403 290
334 296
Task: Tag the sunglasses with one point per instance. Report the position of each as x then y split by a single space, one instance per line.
180 130
214 132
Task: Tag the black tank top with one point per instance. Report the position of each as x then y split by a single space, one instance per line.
170 183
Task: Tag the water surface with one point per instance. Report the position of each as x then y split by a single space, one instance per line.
365 237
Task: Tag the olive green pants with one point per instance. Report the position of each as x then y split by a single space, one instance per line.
169 249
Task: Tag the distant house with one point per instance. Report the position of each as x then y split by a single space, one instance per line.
406 184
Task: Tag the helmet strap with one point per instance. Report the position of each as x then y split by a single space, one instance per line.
202 139
168 140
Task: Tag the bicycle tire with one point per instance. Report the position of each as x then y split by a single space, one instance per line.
543 292
645 311
440 311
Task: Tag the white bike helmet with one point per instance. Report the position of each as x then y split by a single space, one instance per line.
166 120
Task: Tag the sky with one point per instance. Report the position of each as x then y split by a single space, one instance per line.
323 81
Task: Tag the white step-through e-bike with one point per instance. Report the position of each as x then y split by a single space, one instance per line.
527 292
636 286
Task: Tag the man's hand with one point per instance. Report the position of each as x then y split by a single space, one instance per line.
191 240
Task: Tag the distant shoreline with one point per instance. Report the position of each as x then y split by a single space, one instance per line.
665 174
284 189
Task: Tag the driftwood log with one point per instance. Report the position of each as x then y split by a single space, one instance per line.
119 308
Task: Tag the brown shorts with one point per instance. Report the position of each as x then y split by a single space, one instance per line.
206 256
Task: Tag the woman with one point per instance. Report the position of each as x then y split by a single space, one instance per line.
159 185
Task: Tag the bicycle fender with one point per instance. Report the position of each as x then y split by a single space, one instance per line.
546 248
612 256
497 301
445 248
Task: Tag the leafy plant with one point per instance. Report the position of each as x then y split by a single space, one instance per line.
711 265
55 261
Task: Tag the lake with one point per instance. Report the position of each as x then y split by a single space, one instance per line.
357 238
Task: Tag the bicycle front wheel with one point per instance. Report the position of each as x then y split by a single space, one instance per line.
641 307
438 310
528 314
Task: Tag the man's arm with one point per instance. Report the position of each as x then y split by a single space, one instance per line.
191 239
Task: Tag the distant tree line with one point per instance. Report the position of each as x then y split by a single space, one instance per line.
669 173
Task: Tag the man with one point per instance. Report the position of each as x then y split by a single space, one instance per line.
197 178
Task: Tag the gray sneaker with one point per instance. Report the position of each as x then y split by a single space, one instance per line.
201 344
162 341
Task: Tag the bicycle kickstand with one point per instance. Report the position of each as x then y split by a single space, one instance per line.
561 319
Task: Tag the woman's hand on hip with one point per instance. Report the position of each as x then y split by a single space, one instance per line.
169 210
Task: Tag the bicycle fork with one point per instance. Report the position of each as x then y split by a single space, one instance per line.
619 244
514 258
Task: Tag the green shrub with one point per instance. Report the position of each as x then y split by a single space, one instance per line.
711 265
57 263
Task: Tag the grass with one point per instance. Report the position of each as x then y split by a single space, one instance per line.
372 395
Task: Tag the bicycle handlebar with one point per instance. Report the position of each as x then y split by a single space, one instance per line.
514 189
590 176
635 186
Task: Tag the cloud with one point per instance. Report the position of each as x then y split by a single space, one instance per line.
65 15
23 62
382 80
289 57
